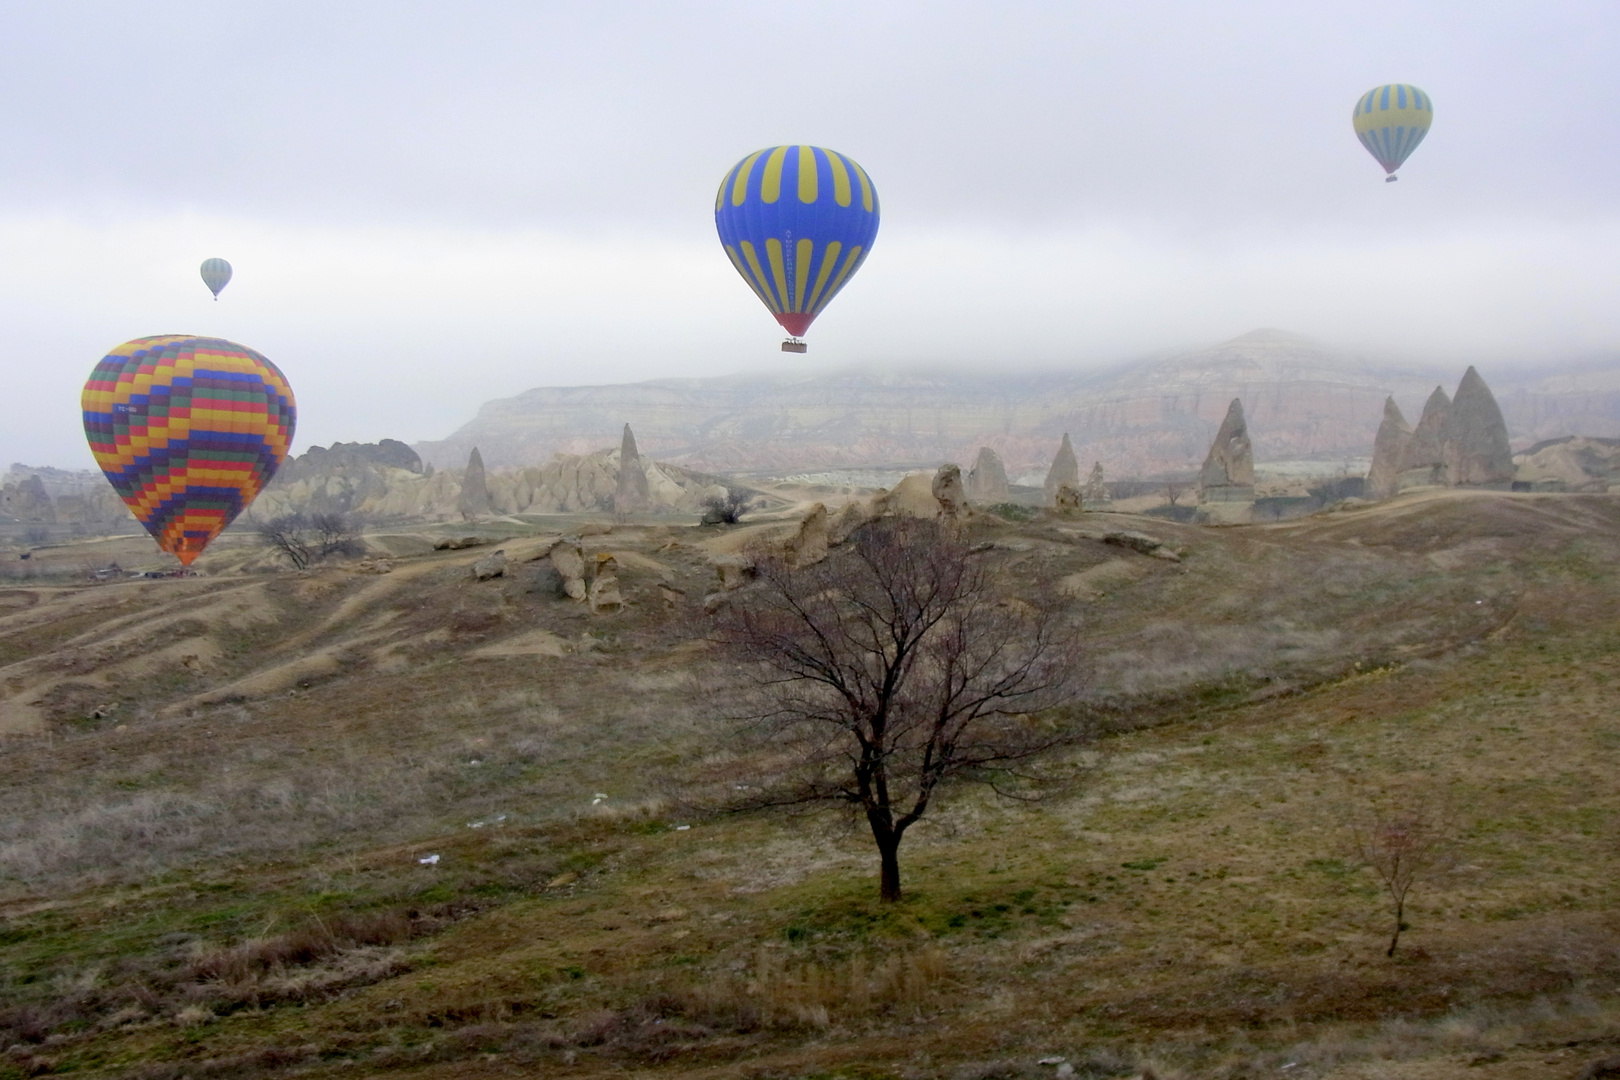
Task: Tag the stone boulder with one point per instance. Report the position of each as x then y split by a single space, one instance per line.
631 494
1228 472
842 525
913 496
1424 463
1066 501
568 559
1389 450
604 594
1576 463
1476 438
473 500
948 491
1095 494
1065 470
1142 542
733 571
987 480
808 543
492 565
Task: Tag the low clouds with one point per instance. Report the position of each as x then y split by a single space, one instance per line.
428 206
403 333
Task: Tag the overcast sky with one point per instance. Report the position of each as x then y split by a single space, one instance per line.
429 205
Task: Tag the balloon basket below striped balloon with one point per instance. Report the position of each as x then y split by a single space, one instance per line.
1390 179
792 345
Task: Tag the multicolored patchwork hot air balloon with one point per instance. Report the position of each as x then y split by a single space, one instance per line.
1391 121
216 274
797 222
188 430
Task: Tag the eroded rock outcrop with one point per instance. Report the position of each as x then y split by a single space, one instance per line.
23 498
631 494
604 594
1228 472
1424 463
473 499
1095 494
1066 501
949 492
568 559
1065 470
987 480
808 544
1578 463
1389 450
1476 437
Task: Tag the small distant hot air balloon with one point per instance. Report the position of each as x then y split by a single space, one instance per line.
188 430
1391 121
797 222
216 274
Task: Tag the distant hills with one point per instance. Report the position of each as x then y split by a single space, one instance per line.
1303 400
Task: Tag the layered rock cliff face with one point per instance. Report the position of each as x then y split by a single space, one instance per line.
47 496
1144 418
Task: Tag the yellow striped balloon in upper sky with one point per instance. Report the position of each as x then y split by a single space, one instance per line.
1390 122
796 222
188 430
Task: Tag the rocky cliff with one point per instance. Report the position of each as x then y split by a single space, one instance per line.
1153 416
568 483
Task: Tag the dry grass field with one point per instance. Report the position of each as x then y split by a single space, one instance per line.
339 823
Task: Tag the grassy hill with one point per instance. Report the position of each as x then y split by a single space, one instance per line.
223 797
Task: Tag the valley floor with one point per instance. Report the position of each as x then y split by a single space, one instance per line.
338 823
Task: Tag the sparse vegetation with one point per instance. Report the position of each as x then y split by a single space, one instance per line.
306 539
894 667
729 508
222 877
1405 836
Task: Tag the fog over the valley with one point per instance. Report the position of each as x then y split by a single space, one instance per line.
431 205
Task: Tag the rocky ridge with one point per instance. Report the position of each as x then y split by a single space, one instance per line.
1145 418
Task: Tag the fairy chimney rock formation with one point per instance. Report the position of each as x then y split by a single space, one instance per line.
633 496
473 501
1095 493
1424 462
1389 449
1476 437
987 480
1065 470
947 488
1228 472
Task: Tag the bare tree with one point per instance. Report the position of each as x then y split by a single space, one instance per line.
336 534
892 667
309 538
1406 837
728 508
1173 491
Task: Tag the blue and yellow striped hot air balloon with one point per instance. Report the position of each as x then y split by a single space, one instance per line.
1390 122
796 222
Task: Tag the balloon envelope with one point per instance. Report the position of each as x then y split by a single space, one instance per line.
796 222
216 274
1391 120
188 430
